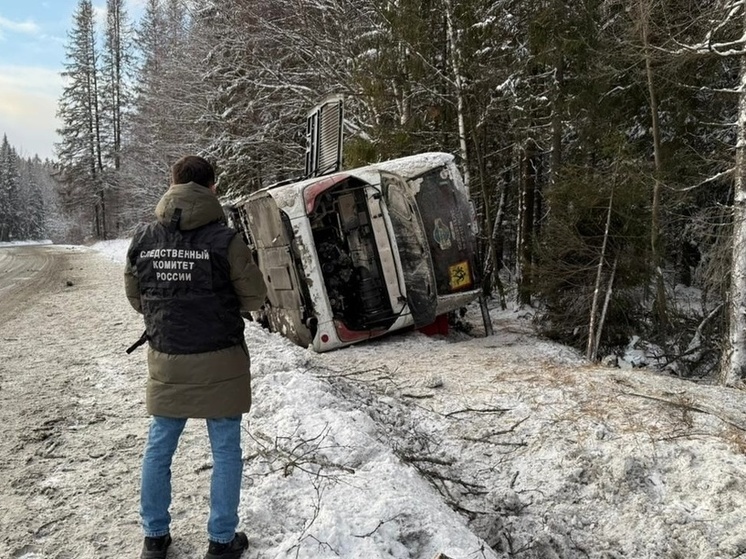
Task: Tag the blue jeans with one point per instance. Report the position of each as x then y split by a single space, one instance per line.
225 484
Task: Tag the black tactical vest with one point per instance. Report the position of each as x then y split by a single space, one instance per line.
188 302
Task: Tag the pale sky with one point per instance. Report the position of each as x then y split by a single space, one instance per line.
33 34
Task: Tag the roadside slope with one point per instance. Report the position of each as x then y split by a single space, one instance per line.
397 449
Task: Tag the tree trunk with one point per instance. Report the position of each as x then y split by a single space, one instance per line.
526 237
604 310
496 242
660 313
733 363
459 81
557 128
491 261
592 348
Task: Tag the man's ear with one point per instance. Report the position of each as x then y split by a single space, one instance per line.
214 188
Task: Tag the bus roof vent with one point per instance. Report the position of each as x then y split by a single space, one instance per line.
324 137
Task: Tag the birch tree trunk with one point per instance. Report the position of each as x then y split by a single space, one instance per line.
602 318
526 222
459 81
660 312
557 125
592 348
733 365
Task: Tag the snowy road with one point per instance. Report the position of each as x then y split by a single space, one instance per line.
26 270
397 449
70 443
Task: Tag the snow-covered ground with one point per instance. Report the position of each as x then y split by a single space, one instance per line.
28 243
406 447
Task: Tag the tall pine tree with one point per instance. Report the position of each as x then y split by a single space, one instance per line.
80 149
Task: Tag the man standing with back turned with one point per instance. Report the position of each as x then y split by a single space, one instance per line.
190 275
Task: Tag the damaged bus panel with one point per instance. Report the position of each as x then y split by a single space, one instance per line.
356 254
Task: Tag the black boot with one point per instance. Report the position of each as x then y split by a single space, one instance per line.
230 550
155 548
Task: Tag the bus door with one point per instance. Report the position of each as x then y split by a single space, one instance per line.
414 252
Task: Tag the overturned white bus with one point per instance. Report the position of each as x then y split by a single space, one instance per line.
356 254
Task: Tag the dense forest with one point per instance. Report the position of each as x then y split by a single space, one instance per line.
602 141
29 201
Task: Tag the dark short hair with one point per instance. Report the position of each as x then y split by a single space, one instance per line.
192 168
